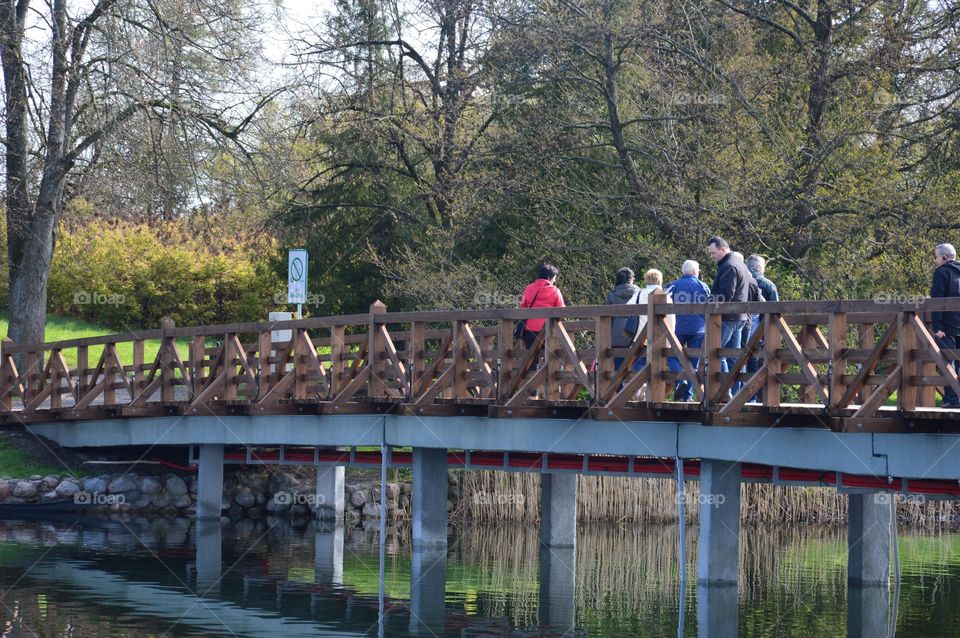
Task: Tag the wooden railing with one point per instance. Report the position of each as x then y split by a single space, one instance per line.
829 364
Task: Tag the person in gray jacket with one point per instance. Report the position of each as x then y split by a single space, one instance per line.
625 291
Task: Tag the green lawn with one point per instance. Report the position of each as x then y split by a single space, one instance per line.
16 463
64 328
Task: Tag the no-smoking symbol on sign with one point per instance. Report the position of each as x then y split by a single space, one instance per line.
296 269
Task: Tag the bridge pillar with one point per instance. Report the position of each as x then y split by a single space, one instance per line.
558 510
558 570
428 585
717 611
868 540
210 482
330 499
328 554
429 497
209 555
868 610
718 550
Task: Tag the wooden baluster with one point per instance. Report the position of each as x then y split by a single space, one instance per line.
198 354
83 362
838 358
337 352
32 377
167 365
415 355
656 340
7 376
301 365
712 358
109 374
264 353
907 352
506 358
230 356
807 342
138 377
552 360
771 349
866 342
603 339
375 354
460 352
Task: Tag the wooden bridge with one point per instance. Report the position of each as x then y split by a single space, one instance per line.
840 365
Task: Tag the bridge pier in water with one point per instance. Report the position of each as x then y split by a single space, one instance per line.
428 586
329 493
210 482
328 554
868 540
429 498
718 549
558 510
558 571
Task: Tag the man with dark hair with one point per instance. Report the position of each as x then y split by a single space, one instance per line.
624 292
731 284
946 325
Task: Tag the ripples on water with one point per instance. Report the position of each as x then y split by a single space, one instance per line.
147 578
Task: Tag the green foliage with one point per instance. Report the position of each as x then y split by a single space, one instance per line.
128 275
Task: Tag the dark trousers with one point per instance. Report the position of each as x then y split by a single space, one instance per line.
949 342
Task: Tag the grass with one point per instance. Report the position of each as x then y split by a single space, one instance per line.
64 328
15 463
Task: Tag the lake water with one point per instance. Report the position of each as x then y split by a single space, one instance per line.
165 577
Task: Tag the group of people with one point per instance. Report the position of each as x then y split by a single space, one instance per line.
736 280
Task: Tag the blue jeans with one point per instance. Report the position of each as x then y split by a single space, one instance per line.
949 342
683 390
731 333
637 365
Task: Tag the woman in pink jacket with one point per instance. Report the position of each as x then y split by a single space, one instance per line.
542 293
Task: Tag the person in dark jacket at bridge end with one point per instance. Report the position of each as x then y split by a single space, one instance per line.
541 293
624 292
731 284
689 328
946 325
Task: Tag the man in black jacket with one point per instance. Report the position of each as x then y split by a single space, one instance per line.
732 283
946 325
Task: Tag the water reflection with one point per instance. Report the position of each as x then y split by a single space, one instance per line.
142 577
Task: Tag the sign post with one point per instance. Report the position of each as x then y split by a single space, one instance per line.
297 279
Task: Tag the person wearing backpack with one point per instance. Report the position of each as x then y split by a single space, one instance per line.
690 328
946 324
624 292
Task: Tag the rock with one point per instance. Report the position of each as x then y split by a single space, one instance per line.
176 486
94 485
406 488
278 506
453 492
183 501
122 485
404 501
245 497
160 500
141 503
50 482
150 486
169 511
193 485
453 478
393 491
374 495
357 498
25 489
67 489
35 477
4 490
261 498
48 496
371 510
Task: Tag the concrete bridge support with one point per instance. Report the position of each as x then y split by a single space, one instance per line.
558 571
868 540
328 554
429 498
718 550
208 541
717 611
868 610
329 494
210 482
558 510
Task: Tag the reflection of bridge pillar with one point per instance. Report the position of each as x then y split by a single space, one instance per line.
558 569
329 493
717 611
429 497
328 555
868 540
210 482
558 510
428 584
868 609
209 555
718 550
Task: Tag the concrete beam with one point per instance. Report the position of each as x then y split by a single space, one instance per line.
558 510
718 550
868 539
210 482
329 493
429 497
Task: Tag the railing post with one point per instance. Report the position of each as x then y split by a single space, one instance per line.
907 359
603 343
506 357
772 340
838 358
416 351
375 388
656 340
138 376
83 363
712 356
167 390
7 376
338 335
264 351
551 361
459 353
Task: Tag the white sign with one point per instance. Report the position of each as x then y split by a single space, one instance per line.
297 276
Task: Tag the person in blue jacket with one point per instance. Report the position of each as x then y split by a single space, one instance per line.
690 329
